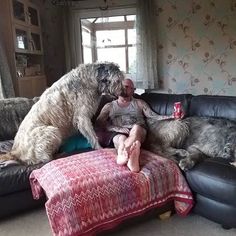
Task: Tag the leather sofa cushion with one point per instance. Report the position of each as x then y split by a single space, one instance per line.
16 178
215 106
163 104
214 178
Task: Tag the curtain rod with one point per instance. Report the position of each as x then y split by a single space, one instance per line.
75 5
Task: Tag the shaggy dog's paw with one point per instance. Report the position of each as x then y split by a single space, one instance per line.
182 153
228 151
186 164
233 163
97 146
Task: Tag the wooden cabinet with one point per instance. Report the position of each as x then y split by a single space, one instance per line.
32 86
26 27
25 44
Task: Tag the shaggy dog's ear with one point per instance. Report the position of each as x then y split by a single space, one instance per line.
102 72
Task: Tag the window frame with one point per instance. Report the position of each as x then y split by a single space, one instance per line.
78 15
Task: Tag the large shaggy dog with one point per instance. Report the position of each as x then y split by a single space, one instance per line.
191 140
64 108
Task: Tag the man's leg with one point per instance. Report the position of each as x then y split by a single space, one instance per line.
133 143
122 153
136 133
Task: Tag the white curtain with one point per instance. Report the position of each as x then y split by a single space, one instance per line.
6 86
146 54
69 39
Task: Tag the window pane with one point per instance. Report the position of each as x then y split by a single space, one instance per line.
35 41
33 16
110 37
18 10
132 60
86 38
116 18
87 54
21 39
116 55
91 19
110 19
131 18
131 36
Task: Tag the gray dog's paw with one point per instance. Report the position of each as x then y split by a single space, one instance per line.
233 163
228 151
186 164
97 146
182 153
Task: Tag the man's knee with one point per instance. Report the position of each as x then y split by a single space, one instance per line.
139 132
118 139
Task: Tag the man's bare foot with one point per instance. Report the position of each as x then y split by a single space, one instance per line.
122 155
134 152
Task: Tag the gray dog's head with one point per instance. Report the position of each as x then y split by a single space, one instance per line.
109 78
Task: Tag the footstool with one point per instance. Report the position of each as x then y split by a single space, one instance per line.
89 192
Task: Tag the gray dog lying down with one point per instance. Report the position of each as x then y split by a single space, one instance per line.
191 140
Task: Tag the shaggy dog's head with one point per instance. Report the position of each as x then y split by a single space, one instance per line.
109 78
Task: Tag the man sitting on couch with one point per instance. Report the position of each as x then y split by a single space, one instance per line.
125 117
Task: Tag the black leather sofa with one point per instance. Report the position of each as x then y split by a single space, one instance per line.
15 194
213 181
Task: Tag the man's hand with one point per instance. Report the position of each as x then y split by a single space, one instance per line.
182 116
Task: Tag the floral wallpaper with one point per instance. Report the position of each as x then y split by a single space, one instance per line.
197 46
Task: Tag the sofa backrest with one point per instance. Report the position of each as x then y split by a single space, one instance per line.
213 106
163 104
12 112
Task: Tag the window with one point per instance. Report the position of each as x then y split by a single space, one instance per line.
110 39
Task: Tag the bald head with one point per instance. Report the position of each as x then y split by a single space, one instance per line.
128 83
128 88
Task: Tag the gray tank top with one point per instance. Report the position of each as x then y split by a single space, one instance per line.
126 116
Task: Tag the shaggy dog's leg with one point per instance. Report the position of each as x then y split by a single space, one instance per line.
162 151
45 140
180 153
195 156
85 126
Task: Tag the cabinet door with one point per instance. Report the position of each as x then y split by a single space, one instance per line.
25 87
39 85
32 86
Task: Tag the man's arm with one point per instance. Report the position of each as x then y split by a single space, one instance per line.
102 118
149 113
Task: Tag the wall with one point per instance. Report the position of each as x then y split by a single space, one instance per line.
197 46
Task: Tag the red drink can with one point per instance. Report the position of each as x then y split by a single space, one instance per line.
177 110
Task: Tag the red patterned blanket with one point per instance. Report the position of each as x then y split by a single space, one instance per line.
88 192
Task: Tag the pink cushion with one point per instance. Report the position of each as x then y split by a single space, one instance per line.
88 192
